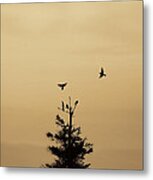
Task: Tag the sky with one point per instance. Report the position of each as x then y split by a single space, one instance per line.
43 44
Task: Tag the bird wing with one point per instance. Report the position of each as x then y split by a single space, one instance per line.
65 84
60 85
102 70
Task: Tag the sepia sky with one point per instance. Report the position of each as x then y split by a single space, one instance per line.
43 44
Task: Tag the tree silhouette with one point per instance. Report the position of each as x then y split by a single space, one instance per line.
71 148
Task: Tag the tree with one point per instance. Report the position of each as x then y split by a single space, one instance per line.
71 148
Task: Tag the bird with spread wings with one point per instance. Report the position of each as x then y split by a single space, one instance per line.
102 73
62 85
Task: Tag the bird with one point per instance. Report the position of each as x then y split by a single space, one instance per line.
62 85
101 73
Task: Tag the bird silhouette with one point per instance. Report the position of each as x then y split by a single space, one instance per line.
62 85
101 73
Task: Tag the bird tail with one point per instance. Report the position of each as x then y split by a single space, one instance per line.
104 74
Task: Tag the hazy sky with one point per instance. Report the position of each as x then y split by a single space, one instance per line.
46 43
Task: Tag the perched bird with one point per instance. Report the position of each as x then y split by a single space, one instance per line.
101 74
62 85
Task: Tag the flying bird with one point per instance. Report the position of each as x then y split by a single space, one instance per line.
101 73
62 85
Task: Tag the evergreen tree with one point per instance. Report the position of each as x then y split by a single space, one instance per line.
71 148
